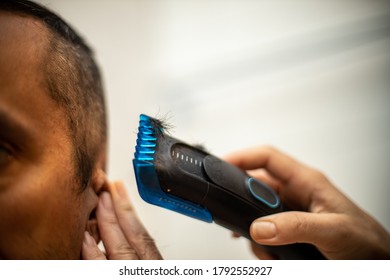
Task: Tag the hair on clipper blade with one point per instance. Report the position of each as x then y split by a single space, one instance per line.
161 125
188 180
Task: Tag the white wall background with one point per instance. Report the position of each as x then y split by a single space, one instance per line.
310 77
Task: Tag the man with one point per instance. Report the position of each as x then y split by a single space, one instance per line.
55 200
52 140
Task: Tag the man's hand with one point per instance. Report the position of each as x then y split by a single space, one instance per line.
123 235
325 218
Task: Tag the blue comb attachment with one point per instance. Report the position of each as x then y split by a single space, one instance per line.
147 179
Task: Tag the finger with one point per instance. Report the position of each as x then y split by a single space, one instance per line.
280 165
320 230
90 250
135 233
115 243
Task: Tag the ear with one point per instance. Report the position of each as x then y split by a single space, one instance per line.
97 184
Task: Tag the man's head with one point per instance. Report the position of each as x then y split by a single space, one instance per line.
52 134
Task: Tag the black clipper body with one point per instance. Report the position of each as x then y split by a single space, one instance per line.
188 180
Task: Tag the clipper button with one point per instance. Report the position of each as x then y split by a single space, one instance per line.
263 193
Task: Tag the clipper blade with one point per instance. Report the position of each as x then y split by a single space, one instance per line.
150 136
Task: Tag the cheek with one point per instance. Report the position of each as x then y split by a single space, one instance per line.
42 216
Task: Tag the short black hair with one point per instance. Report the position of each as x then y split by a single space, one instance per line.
74 83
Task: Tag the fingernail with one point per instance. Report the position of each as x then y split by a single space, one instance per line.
263 230
106 200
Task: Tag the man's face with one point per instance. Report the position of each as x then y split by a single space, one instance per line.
43 213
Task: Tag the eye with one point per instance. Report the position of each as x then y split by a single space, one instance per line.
5 155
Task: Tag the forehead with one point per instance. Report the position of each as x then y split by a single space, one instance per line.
24 93
23 42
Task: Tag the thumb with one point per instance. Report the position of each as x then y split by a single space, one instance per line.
318 229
